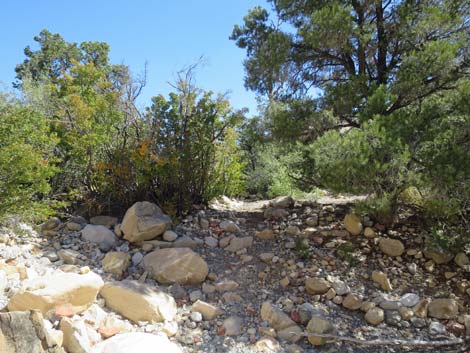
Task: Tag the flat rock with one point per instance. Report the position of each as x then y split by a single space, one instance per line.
443 309
116 262
137 342
438 257
319 324
176 265
317 285
208 311
233 326
144 221
74 291
229 226
237 244
266 234
391 247
282 202
138 301
275 317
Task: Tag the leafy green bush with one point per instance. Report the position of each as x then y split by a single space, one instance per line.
26 161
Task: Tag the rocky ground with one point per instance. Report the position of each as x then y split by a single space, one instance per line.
236 277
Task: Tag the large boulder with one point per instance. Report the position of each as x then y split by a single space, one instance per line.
144 221
139 302
137 342
100 235
72 291
24 332
176 265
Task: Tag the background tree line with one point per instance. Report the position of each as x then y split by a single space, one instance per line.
361 96
367 97
75 139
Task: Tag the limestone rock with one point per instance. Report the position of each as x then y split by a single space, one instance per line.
319 324
106 221
317 285
266 234
282 202
24 332
237 244
369 232
374 316
100 235
144 221
462 260
170 236
176 265
233 326
139 302
116 262
438 257
352 302
292 230
443 309
75 291
275 213
382 279
391 247
229 226
279 321
51 224
78 336
353 224
137 342
208 311
69 256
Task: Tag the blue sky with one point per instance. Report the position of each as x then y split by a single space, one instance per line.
168 34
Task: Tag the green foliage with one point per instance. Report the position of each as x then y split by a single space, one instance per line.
108 154
302 248
26 161
377 91
192 137
347 252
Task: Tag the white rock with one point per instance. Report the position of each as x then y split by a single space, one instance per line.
137 342
139 302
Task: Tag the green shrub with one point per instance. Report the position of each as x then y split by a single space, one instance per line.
26 162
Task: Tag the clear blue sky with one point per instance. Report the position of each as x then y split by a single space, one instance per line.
168 34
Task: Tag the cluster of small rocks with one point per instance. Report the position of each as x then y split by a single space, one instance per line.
243 281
